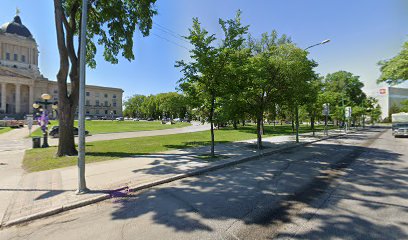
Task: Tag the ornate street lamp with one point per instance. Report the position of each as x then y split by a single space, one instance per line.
43 119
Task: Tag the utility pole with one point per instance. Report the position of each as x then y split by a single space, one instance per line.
297 106
81 113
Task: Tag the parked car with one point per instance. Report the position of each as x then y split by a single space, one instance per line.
88 118
135 119
119 119
150 119
55 132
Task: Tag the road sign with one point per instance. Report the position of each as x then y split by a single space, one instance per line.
30 122
326 109
347 112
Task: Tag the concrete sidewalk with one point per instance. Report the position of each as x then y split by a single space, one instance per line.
12 147
48 192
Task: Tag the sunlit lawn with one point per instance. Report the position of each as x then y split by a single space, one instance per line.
109 126
43 159
5 129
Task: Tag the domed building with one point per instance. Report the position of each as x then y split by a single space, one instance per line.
21 82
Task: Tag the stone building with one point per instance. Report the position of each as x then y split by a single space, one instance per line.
22 84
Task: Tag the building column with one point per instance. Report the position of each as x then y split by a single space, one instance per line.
30 98
18 98
3 97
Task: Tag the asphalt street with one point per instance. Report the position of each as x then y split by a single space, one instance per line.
354 187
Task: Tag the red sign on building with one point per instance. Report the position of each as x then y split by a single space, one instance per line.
383 91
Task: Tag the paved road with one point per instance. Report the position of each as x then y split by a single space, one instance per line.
348 188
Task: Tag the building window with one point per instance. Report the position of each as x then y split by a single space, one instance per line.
97 111
114 104
55 91
114 96
97 103
106 103
87 112
106 95
15 57
97 94
7 56
87 103
114 112
106 111
88 94
23 58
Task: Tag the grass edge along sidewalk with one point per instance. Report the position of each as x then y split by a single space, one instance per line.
43 159
109 126
134 188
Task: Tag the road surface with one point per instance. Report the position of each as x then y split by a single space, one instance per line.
354 187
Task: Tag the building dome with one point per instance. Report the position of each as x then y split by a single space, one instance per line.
16 27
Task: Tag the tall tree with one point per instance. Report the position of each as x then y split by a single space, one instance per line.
133 106
265 79
395 70
205 76
299 74
112 24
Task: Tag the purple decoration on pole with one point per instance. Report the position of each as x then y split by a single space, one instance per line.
43 121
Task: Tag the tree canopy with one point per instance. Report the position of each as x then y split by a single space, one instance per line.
395 70
111 24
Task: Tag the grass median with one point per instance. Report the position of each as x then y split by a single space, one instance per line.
41 159
109 126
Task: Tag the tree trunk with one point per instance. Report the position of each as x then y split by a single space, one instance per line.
234 123
212 125
258 132
312 123
293 122
243 122
67 104
66 143
297 122
262 126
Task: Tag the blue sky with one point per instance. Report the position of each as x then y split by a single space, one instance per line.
362 32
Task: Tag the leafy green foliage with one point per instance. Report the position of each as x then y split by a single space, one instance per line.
395 70
169 104
207 78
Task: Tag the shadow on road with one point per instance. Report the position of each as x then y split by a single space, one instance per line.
268 192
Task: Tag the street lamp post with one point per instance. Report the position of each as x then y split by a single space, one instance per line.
317 44
43 120
297 108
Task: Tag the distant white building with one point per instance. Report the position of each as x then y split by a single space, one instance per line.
389 96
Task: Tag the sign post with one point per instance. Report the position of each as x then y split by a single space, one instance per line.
347 114
326 113
30 120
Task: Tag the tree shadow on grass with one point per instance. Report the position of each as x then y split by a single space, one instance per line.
268 192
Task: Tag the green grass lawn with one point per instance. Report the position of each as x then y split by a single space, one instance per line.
43 159
108 126
5 129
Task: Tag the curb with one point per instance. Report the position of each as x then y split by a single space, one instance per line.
135 188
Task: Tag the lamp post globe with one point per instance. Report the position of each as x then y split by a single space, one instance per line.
46 96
